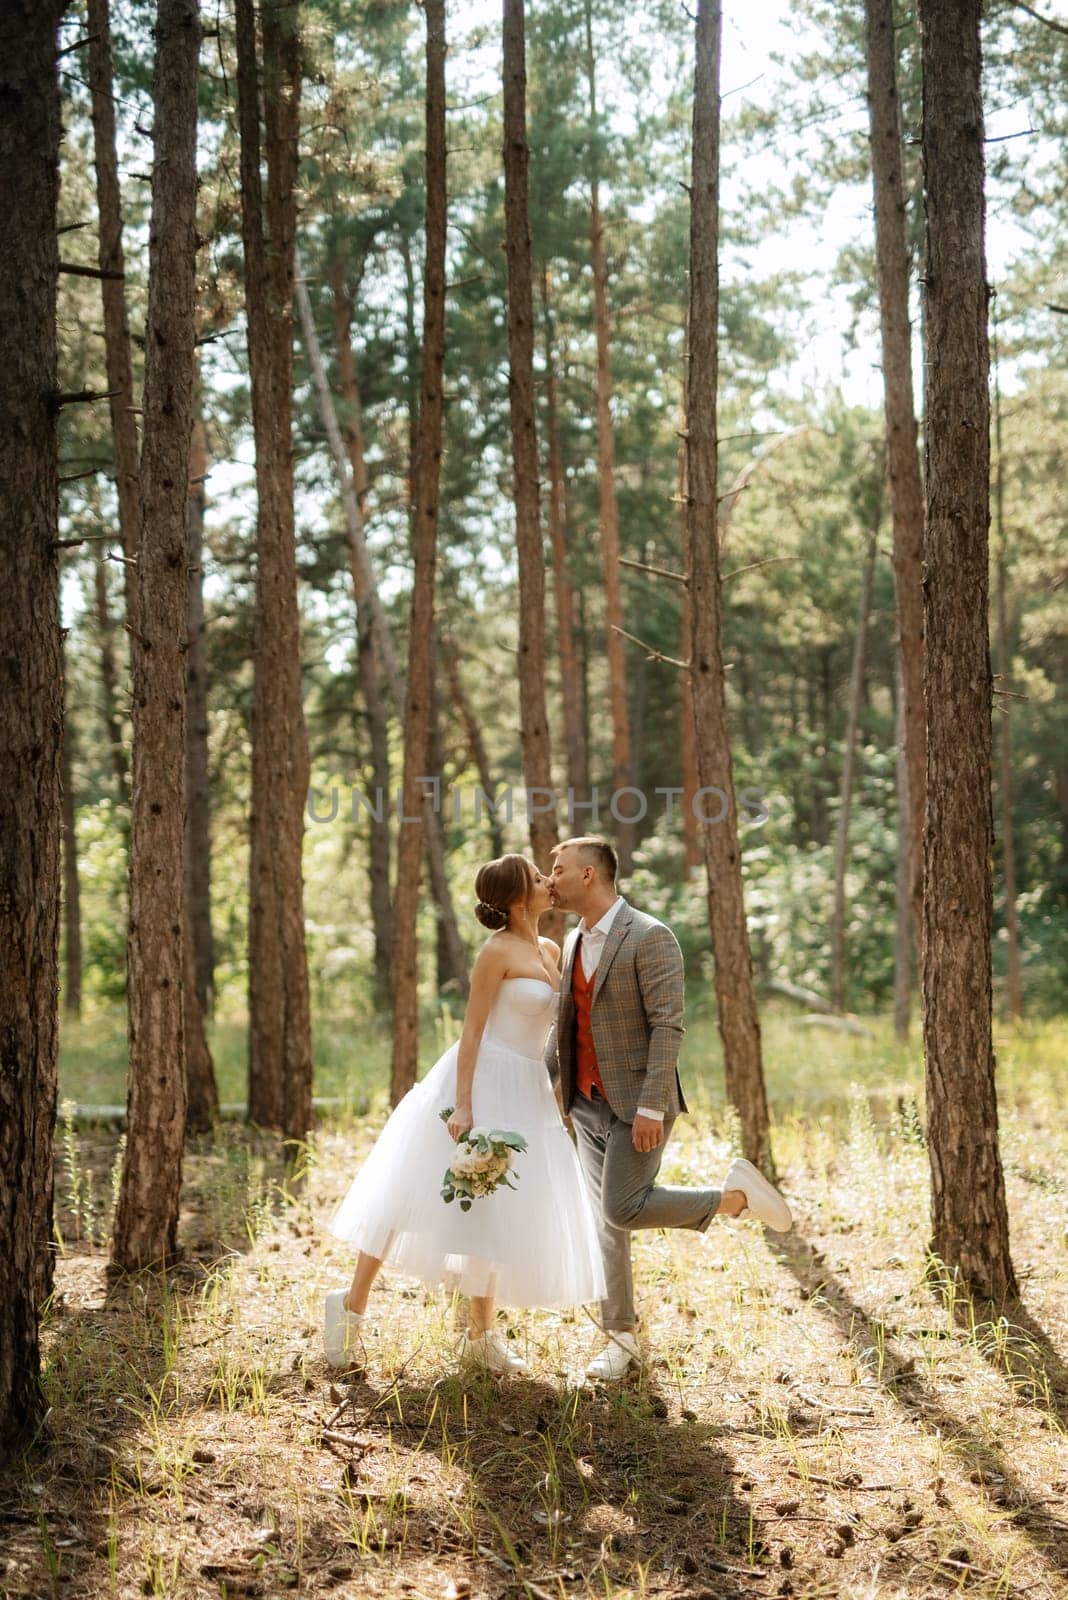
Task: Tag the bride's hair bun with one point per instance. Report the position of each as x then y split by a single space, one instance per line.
491 916
500 885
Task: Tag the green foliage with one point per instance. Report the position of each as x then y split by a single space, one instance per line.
792 552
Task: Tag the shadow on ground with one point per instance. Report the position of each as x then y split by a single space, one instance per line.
986 1463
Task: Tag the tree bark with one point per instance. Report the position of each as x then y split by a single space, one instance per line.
615 646
280 1053
533 717
845 794
198 962
146 1221
739 1025
31 702
903 461
72 916
578 767
1008 836
197 767
970 1231
692 854
476 745
451 955
903 921
426 478
105 629
368 663
119 366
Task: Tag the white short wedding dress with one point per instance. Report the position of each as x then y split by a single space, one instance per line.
534 1245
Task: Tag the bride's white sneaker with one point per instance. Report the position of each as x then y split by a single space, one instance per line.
343 1332
489 1350
762 1200
620 1355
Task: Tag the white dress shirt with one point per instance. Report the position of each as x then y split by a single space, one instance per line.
591 943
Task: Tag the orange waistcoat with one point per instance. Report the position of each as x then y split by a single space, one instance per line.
587 1074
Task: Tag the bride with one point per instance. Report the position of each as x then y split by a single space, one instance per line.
535 1245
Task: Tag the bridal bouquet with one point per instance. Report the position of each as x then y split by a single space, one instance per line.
482 1163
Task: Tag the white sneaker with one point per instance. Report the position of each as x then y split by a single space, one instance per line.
620 1353
343 1332
763 1200
489 1350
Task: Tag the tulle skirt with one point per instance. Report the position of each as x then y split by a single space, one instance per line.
534 1245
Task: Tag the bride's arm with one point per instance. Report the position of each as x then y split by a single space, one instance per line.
486 975
551 950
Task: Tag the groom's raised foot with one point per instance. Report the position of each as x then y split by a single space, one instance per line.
620 1357
761 1199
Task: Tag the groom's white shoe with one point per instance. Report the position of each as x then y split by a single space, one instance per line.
762 1200
343 1332
620 1355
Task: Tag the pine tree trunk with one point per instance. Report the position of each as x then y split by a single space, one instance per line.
473 733
970 1231
451 955
903 921
197 766
1008 835
615 647
125 446
109 683
533 716
280 1054
739 1025
371 621
201 1090
692 854
367 655
31 702
903 461
198 961
845 794
72 915
426 478
146 1221
578 767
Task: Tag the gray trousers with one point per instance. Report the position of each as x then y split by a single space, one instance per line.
625 1194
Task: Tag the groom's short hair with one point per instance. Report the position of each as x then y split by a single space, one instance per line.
596 853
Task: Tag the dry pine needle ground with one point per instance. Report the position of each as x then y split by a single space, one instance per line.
814 1421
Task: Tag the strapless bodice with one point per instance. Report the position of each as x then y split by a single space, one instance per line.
521 1015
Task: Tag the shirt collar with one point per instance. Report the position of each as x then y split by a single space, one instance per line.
604 926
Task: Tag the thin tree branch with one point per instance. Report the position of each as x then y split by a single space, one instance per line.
87 538
753 565
652 654
76 270
79 44
75 397
1047 22
657 572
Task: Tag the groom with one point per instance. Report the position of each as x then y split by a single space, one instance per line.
613 1058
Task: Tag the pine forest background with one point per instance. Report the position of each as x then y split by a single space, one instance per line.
801 427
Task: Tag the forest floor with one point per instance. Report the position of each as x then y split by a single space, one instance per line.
813 1420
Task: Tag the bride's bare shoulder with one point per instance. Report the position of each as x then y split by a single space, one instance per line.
550 948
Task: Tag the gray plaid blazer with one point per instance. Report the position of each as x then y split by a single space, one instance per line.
636 1015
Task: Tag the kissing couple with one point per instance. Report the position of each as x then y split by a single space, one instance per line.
591 1034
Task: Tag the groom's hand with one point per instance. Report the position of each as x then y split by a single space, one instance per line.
647 1133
